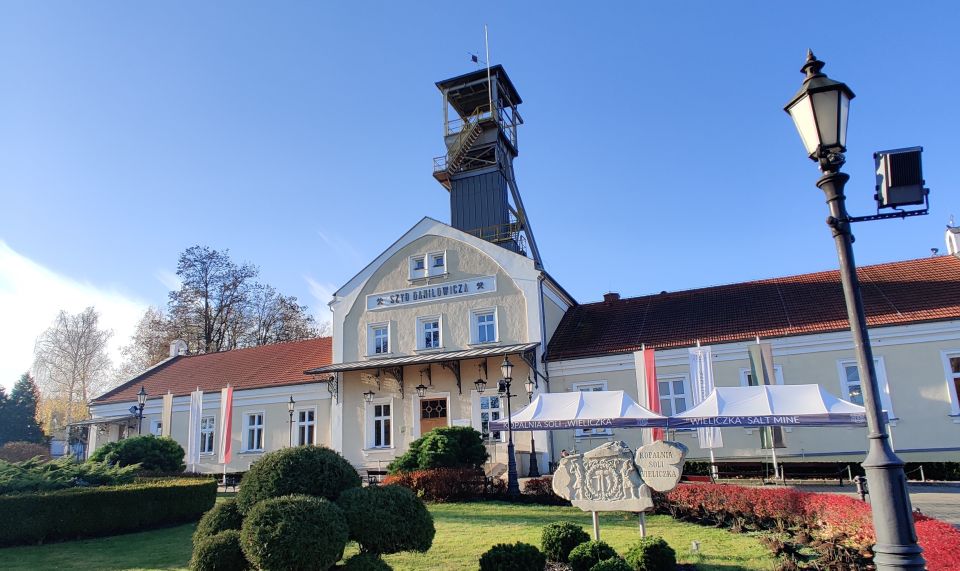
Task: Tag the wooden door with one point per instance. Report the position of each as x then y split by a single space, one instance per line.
433 413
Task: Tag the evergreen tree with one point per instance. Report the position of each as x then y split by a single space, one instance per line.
21 411
5 423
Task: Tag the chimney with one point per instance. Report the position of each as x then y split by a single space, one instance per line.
178 347
610 297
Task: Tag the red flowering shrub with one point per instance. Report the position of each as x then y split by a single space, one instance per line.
539 486
940 542
442 484
842 523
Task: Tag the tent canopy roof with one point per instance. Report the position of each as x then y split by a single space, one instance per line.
593 409
771 405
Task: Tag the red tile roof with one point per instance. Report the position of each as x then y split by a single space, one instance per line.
253 368
896 293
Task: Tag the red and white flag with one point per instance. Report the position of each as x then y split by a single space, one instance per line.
226 425
647 371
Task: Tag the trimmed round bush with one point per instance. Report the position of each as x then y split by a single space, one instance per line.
513 557
295 533
219 552
584 556
224 516
152 453
444 447
612 564
387 519
559 538
365 562
651 554
308 470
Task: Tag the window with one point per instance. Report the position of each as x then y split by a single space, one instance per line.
851 388
484 326
428 336
438 263
951 364
588 387
306 426
746 377
673 395
207 425
156 427
381 437
490 409
378 339
254 432
418 267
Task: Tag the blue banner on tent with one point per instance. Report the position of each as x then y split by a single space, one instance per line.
841 419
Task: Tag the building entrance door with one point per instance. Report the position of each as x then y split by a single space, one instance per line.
433 413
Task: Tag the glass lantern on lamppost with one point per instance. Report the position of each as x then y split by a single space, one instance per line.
820 111
290 406
513 482
534 471
141 402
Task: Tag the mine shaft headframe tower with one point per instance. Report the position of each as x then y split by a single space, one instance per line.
480 121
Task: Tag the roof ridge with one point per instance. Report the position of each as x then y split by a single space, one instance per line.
770 279
239 349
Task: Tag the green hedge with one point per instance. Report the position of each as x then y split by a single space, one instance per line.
107 510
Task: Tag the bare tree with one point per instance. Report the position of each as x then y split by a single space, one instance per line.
149 344
208 308
274 317
71 361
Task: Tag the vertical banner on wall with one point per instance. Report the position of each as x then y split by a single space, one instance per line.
226 426
701 381
166 414
762 373
647 373
193 430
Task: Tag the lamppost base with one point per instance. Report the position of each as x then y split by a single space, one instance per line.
513 479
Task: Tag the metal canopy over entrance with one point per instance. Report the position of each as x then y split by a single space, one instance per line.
393 366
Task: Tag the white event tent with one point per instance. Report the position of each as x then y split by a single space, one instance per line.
593 409
770 405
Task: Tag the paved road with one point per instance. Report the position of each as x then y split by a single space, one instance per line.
941 502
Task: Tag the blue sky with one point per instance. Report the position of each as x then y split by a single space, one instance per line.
655 155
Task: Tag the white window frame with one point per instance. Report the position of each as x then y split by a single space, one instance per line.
475 325
886 399
311 425
208 434
156 427
477 399
777 373
590 432
434 271
949 375
418 274
421 332
247 444
687 395
371 424
371 339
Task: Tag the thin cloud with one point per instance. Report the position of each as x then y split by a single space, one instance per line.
169 279
322 295
343 248
31 295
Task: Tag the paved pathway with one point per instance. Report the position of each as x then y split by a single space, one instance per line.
941 502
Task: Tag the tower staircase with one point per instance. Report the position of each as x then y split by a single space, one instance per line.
445 166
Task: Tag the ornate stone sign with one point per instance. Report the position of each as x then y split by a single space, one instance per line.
606 478
661 464
603 479
439 292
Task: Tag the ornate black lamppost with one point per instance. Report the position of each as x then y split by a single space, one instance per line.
141 402
534 471
513 482
290 404
820 110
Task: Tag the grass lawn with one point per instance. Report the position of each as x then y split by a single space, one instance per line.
464 531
